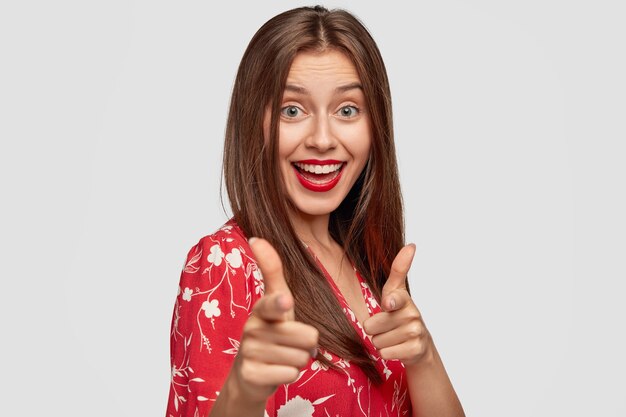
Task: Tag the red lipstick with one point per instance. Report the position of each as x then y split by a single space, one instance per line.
318 182
319 161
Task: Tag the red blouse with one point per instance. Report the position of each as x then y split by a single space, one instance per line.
218 287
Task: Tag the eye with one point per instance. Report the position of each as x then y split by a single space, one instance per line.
291 111
348 111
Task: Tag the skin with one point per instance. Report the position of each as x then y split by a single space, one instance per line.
318 121
323 116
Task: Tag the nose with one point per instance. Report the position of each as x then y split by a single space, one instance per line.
321 136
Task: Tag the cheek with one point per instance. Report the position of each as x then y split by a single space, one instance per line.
359 142
364 145
289 138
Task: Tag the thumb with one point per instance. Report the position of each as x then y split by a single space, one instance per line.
396 281
276 287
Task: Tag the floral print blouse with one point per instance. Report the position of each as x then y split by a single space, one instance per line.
219 284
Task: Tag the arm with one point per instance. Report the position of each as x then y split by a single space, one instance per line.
400 333
231 401
430 388
274 347
224 362
210 311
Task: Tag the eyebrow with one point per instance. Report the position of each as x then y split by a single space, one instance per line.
348 87
340 89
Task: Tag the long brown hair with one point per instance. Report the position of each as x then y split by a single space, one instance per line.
368 223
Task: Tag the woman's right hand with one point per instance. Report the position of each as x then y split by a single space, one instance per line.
274 347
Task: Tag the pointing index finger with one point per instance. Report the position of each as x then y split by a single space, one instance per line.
277 302
271 267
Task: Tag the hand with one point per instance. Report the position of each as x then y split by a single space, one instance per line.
398 332
274 347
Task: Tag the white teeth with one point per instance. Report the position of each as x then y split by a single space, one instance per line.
318 169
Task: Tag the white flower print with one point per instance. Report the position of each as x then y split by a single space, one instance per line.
216 255
235 347
187 294
351 383
234 258
367 293
191 267
351 314
399 395
221 276
387 372
175 372
259 286
296 407
344 363
319 365
211 308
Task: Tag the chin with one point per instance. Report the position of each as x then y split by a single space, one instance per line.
315 208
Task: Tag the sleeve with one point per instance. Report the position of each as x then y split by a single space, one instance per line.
218 286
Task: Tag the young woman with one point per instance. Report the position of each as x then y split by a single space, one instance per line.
299 305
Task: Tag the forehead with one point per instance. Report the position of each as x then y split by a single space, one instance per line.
328 66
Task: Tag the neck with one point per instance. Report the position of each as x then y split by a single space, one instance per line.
312 229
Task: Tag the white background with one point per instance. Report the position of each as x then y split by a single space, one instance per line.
510 129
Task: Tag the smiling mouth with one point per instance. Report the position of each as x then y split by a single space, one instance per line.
318 177
318 173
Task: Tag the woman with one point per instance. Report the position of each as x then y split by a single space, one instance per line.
315 319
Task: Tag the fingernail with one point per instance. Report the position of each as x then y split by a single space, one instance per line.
314 352
251 240
392 302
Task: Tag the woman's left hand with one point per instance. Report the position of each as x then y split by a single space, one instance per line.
398 332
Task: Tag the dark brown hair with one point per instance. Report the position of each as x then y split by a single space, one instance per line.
368 223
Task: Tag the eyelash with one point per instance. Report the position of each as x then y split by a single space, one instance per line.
291 106
356 110
352 106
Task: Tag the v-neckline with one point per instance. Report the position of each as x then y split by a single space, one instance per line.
371 310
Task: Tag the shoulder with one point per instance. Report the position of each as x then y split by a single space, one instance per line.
222 261
218 286
224 245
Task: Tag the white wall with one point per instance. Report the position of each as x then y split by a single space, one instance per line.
510 131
